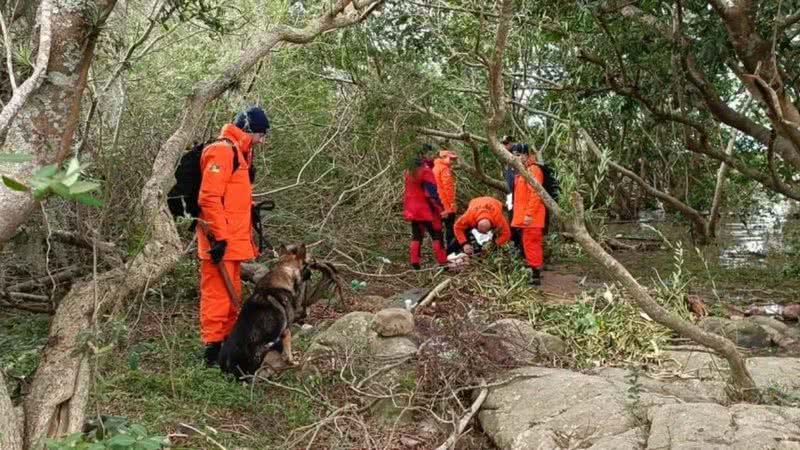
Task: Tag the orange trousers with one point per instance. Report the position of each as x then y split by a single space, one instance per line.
532 246
217 313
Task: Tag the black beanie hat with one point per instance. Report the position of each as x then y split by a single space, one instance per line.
252 120
520 149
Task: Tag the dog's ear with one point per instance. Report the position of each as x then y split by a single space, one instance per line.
300 251
282 250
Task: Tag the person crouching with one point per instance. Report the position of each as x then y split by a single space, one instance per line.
483 214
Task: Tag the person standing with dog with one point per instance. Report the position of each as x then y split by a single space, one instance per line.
529 215
423 208
446 186
224 237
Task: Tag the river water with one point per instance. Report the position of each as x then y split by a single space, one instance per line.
747 239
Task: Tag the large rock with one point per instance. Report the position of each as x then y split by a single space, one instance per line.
352 340
393 322
351 331
520 342
780 373
713 426
745 333
557 409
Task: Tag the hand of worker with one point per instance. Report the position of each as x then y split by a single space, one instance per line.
527 220
468 249
217 250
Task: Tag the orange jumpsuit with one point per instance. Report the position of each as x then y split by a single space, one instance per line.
225 201
445 183
528 203
483 208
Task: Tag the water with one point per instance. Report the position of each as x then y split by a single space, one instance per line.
747 240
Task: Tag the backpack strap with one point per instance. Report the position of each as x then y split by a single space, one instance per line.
236 162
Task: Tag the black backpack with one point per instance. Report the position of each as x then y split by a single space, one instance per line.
182 198
551 184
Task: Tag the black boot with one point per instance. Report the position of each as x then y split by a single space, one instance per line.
212 354
534 278
415 266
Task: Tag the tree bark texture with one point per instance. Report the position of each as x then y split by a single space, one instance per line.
45 124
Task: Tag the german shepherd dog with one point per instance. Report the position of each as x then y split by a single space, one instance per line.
265 321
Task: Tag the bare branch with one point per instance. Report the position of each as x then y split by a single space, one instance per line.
42 58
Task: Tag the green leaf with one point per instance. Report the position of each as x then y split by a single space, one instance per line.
73 172
14 158
88 200
41 192
121 440
14 185
82 187
46 171
152 443
60 189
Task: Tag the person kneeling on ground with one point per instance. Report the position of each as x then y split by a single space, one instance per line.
483 214
529 214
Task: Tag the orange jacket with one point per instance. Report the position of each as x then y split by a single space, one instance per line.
225 197
483 208
527 202
445 183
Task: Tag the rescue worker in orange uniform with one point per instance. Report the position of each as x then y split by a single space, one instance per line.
483 214
529 215
446 186
225 201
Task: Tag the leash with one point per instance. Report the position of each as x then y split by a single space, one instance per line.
226 277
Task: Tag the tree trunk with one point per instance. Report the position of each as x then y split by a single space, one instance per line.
45 125
61 384
716 202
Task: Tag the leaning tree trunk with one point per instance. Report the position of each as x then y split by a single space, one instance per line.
59 392
741 381
45 124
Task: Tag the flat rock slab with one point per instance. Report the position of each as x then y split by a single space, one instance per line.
713 426
545 408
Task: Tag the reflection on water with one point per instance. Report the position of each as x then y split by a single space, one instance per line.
748 239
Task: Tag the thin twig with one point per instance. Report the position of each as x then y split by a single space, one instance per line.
462 424
432 294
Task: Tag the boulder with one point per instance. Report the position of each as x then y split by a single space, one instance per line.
393 322
557 408
709 425
522 343
351 331
352 340
745 333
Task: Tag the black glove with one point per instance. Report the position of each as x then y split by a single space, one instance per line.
217 250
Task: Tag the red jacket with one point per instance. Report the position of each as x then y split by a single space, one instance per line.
420 198
483 208
527 202
445 183
226 196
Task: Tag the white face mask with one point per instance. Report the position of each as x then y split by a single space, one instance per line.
482 238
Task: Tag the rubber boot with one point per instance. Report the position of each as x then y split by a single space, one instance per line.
414 254
439 253
212 354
